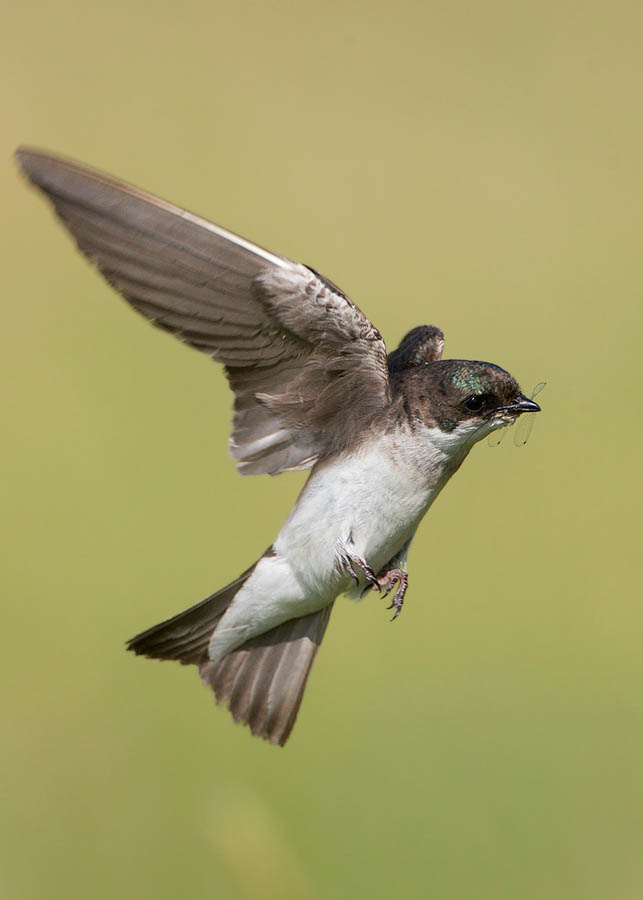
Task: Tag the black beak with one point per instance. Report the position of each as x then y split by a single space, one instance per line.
525 405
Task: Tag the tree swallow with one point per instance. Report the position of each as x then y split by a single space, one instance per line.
313 389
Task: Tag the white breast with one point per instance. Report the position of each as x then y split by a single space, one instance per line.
375 495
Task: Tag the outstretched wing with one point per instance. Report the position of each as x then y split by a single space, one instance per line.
293 345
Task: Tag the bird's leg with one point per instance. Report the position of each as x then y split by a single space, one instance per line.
351 563
387 580
393 574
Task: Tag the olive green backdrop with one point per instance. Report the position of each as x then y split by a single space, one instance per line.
474 165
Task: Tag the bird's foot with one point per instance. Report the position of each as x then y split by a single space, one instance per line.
387 581
352 564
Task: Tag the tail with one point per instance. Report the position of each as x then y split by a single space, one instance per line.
263 681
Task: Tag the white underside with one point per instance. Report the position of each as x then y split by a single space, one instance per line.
371 501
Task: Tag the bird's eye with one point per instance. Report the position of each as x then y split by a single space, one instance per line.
475 403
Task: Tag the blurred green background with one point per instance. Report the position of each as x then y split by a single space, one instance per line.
475 165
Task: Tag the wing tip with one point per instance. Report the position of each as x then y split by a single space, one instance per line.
33 161
49 171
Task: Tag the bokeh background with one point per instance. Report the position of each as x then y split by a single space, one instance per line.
475 165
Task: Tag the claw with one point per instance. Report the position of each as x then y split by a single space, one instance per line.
349 563
398 604
366 571
390 579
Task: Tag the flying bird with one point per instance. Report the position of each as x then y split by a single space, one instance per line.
313 389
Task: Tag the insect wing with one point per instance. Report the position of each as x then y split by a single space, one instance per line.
523 430
495 438
526 423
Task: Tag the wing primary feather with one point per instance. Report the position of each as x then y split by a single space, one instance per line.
62 177
293 344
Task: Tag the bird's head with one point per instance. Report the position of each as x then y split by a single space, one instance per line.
462 401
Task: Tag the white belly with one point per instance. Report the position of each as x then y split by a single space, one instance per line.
374 498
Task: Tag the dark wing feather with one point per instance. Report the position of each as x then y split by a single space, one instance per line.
294 347
421 345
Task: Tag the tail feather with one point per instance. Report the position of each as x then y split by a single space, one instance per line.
263 681
186 636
